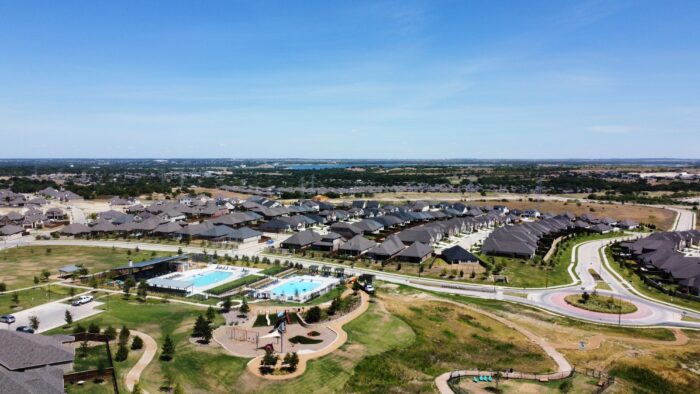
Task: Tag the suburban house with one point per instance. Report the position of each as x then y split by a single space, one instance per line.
301 240
32 363
11 231
346 230
391 246
357 246
458 255
661 255
329 242
416 253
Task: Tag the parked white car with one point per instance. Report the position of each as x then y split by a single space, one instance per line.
84 299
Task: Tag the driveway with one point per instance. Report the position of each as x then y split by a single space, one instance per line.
52 314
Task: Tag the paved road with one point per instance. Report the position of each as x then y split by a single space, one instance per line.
77 215
685 219
651 312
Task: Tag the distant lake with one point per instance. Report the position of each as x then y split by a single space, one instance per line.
324 166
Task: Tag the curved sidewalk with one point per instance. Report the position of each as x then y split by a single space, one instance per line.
150 348
341 338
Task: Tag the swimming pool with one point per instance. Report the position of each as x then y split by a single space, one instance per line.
209 278
295 287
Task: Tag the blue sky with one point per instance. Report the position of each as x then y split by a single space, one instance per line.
381 79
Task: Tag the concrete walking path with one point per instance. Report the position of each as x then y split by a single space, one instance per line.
341 337
150 348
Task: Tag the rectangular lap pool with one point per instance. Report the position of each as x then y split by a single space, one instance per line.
209 278
201 279
297 288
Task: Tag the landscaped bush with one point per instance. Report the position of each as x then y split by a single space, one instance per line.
300 339
313 315
313 333
137 343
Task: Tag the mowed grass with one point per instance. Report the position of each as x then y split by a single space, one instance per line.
32 297
601 303
375 332
19 266
121 368
157 319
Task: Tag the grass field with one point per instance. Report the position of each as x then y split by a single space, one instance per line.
600 303
19 266
32 297
105 387
157 319
659 361
447 337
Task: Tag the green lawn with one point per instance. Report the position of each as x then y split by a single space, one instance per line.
106 387
19 266
33 297
600 303
91 359
247 280
375 332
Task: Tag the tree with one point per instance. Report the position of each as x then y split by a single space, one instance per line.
207 334
142 290
137 389
34 322
200 327
335 304
292 361
124 334
78 329
111 333
45 274
94 328
68 318
168 350
122 353
137 343
71 291
101 370
15 299
3 287
211 314
585 297
179 251
244 308
36 280
313 315
129 283
226 305
83 349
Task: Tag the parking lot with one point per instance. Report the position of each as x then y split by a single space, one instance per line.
52 314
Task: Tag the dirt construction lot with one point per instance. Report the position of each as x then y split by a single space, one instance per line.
662 218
